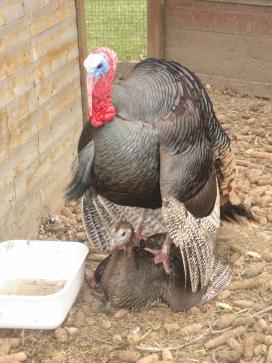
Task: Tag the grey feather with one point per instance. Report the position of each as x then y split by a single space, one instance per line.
195 238
129 278
82 179
161 104
220 278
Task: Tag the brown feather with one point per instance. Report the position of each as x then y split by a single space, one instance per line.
130 279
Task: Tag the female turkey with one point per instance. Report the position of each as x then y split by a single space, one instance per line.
156 142
129 278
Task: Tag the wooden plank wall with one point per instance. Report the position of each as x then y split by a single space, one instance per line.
40 110
155 28
228 44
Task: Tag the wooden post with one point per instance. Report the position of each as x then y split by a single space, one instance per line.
83 51
155 28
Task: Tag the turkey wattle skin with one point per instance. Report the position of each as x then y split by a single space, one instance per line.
161 145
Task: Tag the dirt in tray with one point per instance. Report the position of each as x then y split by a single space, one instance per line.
31 287
234 327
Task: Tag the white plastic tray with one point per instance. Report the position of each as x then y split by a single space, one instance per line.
49 261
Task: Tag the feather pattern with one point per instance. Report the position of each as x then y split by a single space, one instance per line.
194 237
220 278
159 151
100 217
130 279
82 178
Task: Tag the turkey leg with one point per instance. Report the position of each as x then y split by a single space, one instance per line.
140 225
162 255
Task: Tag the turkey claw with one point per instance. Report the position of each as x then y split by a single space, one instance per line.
160 257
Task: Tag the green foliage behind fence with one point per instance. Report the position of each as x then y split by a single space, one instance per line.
118 24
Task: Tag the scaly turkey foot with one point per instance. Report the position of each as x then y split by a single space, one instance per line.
138 232
161 256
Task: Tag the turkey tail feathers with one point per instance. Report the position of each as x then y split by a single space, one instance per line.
82 178
232 213
97 220
195 237
220 278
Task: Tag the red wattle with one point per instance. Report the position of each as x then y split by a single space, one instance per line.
109 117
111 109
109 114
99 118
96 123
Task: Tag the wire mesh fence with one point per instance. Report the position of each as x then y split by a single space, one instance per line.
118 24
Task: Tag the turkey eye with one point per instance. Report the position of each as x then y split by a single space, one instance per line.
100 65
123 234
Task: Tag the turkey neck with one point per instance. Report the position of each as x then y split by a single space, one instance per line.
125 168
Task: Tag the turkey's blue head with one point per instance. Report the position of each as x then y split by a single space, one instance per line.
96 66
100 68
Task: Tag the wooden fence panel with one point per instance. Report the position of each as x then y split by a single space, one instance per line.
227 43
40 110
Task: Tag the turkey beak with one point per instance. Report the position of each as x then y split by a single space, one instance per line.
116 245
113 244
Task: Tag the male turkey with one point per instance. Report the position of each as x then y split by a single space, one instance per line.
164 148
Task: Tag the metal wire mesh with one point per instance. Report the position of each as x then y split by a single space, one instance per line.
118 24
